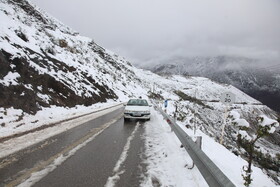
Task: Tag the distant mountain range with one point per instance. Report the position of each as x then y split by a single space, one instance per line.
260 82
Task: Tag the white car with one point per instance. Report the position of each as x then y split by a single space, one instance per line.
137 109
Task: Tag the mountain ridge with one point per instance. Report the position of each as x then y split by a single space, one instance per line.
262 83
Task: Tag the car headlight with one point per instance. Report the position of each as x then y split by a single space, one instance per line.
128 111
147 112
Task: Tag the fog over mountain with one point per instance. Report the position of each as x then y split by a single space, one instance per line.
250 75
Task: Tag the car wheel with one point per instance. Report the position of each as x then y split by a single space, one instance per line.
126 119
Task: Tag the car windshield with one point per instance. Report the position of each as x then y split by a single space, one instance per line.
137 102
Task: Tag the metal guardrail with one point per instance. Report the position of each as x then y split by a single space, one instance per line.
211 173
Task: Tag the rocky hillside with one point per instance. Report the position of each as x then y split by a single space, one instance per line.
44 65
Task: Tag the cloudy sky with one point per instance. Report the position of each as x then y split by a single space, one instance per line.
146 30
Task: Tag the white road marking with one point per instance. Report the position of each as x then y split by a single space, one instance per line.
111 181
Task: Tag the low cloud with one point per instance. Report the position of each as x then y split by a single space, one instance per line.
146 30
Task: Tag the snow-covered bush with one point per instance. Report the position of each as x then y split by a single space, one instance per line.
265 127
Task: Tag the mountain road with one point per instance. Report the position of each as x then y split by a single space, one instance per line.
105 151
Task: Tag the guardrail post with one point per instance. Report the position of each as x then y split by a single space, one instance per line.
198 141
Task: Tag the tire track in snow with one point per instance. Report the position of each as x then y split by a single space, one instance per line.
117 169
38 172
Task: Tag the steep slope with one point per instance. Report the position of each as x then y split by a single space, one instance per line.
44 63
45 66
261 83
195 103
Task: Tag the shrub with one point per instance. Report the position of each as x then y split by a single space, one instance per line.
63 43
186 97
265 127
156 96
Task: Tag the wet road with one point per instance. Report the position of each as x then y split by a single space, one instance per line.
104 151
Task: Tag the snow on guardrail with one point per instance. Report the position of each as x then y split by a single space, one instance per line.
211 173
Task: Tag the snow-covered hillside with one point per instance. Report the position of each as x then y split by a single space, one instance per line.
44 63
49 71
168 164
257 78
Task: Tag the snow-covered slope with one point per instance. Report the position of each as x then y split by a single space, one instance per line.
48 71
168 164
259 79
45 63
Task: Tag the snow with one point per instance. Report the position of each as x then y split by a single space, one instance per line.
234 114
10 79
239 122
267 121
16 144
272 124
111 182
7 116
242 123
16 121
231 164
244 135
168 163
44 97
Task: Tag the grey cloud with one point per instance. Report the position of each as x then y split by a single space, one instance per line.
150 29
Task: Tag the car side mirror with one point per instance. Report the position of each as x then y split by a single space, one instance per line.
150 105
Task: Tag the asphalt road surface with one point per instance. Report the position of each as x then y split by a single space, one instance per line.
103 152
